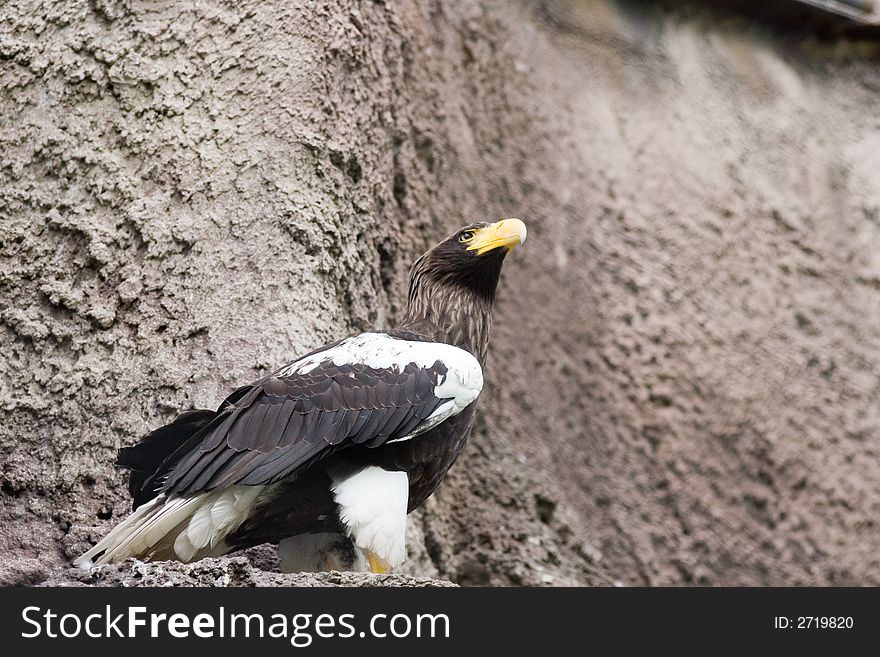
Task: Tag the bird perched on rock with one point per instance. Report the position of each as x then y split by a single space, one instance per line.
328 454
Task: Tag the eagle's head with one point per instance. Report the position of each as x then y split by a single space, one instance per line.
452 286
470 258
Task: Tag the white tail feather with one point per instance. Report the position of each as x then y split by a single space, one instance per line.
200 528
184 550
176 528
117 534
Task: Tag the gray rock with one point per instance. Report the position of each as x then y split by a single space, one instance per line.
236 571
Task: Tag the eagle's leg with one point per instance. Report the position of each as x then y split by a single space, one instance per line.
372 505
320 552
378 565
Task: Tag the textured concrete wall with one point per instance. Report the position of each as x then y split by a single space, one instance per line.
686 354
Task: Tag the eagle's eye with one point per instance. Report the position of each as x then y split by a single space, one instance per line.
466 236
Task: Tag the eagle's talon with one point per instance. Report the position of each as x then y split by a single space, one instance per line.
378 566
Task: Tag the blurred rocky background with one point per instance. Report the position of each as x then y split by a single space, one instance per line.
684 379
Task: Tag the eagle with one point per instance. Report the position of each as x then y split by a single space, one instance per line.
327 455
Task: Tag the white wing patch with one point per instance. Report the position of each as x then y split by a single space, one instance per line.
461 385
372 506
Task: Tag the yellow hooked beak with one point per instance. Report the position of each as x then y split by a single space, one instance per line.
507 233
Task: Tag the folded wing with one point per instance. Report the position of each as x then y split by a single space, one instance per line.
368 390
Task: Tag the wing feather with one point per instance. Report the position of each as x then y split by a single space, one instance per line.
275 433
350 393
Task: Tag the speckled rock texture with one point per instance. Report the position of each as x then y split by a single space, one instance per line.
685 364
229 571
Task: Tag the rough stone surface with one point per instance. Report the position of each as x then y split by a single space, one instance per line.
229 571
685 363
